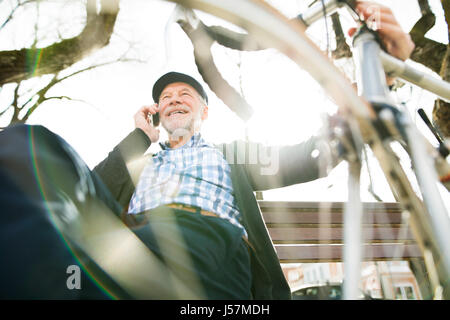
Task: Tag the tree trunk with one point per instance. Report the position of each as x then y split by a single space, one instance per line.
441 110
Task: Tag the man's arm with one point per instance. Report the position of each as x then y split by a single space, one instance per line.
116 169
113 170
275 167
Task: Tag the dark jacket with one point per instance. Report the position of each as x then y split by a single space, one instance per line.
121 169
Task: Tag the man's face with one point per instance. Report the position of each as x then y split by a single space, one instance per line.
180 107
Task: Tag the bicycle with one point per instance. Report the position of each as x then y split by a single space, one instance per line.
372 121
373 118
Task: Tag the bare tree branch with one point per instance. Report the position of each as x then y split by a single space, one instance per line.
426 21
342 49
15 104
95 67
41 94
61 97
231 39
15 64
202 43
441 110
13 11
32 109
427 52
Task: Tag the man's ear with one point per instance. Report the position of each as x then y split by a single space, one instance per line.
205 113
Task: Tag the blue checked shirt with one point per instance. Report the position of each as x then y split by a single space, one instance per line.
195 174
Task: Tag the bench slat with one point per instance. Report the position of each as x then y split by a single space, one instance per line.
325 234
333 253
284 216
313 231
268 206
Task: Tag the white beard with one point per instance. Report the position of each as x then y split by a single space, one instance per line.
189 126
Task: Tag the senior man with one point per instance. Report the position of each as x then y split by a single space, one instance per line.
204 195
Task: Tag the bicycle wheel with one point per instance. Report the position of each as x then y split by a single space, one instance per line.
271 29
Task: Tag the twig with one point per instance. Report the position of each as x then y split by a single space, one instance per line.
41 93
19 4
96 66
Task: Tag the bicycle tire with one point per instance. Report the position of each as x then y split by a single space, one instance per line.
274 30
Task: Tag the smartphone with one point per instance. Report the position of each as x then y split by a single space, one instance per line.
155 119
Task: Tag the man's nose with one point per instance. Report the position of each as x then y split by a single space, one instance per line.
174 99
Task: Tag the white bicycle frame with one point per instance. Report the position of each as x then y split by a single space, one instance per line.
372 64
390 65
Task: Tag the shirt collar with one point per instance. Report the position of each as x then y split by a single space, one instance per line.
195 141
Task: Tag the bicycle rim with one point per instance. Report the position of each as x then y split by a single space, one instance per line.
274 30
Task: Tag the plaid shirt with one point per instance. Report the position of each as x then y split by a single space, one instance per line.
195 174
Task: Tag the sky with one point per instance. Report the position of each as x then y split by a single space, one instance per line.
288 105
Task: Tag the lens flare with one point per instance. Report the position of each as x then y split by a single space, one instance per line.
42 190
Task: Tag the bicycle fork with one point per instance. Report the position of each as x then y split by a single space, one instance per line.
392 123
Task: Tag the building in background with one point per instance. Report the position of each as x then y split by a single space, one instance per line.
383 279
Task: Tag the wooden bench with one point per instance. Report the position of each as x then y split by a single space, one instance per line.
313 232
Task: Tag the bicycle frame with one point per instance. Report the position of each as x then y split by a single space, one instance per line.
431 232
430 222
391 65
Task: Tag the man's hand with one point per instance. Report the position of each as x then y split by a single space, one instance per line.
143 122
397 42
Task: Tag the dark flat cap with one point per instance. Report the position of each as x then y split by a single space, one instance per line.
172 77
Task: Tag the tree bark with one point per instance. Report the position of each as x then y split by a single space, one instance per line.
427 52
18 65
441 110
342 49
202 41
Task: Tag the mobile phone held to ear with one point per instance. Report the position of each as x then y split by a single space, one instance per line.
155 119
